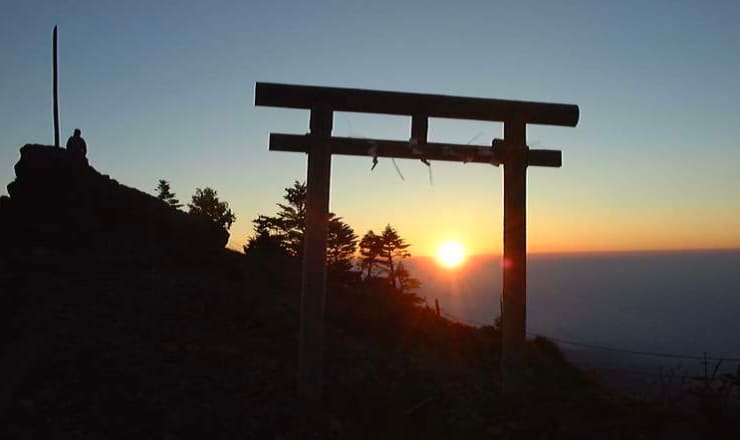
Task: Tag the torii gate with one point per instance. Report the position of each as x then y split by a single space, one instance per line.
512 152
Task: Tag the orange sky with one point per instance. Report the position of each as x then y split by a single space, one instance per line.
566 212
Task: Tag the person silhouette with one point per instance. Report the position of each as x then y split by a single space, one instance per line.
76 145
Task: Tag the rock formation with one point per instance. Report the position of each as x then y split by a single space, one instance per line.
60 203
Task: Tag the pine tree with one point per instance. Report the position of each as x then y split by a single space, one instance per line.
292 217
407 284
164 193
265 246
393 249
370 251
288 228
341 245
205 202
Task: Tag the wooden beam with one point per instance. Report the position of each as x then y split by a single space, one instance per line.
544 158
401 150
410 104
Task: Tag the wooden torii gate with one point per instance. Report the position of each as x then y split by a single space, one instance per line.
512 152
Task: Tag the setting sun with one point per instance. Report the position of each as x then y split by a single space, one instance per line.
450 254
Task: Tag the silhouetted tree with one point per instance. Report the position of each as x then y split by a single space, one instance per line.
164 193
266 246
407 286
371 247
341 245
267 240
265 225
393 249
287 228
205 202
406 283
292 217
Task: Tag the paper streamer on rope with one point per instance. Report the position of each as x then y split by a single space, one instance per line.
398 170
480 133
413 143
373 151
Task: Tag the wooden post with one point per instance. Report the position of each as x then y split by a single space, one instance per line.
514 314
419 129
313 288
55 87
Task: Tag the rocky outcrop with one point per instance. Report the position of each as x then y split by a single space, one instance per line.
59 202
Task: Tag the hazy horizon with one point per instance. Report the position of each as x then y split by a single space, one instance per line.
587 252
681 302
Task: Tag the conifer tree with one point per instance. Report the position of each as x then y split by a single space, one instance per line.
205 202
406 283
288 227
393 250
291 217
165 193
341 245
370 251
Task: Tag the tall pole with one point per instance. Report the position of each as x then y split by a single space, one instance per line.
514 313
313 289
55 88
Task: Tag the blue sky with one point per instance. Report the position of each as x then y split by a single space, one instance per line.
165 90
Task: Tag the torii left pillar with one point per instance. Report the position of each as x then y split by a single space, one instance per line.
313 287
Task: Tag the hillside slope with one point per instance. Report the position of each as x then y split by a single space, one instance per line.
59 202
101 339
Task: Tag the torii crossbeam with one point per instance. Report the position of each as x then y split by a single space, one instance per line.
511 152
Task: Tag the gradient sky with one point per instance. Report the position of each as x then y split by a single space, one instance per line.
166 90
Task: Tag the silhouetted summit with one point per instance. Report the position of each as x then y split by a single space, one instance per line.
59 202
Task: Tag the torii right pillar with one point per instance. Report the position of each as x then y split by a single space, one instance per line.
514 296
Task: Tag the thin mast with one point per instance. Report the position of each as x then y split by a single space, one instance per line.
55 90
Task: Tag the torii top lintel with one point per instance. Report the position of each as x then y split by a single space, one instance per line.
414 104
323 101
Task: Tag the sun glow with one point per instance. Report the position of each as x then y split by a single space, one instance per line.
450 254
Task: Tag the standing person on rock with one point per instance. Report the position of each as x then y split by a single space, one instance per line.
76 145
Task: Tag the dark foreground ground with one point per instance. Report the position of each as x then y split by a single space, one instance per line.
154 347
